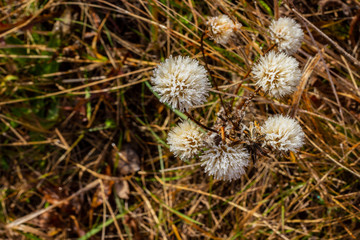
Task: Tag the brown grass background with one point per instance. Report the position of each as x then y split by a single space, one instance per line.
83 150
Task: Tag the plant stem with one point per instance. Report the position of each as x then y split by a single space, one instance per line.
198 123
213 79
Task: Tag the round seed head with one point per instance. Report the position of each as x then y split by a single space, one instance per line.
185 140
221 28
283 133
225 162
287 34
181 82
277 73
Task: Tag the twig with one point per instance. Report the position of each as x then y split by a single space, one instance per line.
269 49
245 103
213 79
198 123
239 86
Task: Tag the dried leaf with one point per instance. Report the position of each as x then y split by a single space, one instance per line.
122 189
128 160
49 219
55 194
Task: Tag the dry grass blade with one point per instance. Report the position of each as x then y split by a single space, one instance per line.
75 88
309 67
336 45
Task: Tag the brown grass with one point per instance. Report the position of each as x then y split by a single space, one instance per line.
78 119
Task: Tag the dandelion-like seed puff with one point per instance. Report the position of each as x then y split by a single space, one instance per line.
283 133
221 28
185 140
277 73
287 34
225 162
181 82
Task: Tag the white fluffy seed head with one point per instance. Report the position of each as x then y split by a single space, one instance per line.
277 73
225 162
221 28
287 34
283 133
181 82
185 140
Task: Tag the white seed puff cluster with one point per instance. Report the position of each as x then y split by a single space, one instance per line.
222 28
225 151
185 140
283 133
181 82
277 73
224 162
287 34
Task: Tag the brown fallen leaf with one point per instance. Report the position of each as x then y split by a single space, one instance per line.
55 194
57 218
122 189
127 160
50 219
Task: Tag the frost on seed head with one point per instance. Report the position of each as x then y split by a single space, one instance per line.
222 28
181 82
287 34
225 162
277 73
185 140
283 133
